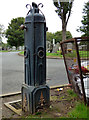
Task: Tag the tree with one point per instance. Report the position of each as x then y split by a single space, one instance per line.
85 22
68 35
64 12
14 34
58 36
2 31
50 36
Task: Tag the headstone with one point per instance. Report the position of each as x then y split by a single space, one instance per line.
56 48
13 48
53 42
69 46
48 44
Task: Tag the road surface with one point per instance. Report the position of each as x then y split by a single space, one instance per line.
12 71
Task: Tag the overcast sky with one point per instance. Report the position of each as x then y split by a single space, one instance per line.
10 9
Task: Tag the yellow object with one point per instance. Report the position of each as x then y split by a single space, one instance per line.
59 89
75 60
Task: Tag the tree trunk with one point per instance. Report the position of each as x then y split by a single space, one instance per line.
16 47
64 33
63 30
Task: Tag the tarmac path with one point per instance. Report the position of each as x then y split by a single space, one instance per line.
12 71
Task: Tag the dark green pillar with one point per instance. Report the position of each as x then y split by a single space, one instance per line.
35 92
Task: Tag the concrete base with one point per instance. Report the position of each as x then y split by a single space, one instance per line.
34 98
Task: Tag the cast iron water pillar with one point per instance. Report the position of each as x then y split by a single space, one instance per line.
35 92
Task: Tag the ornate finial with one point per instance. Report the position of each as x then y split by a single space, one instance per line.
34 5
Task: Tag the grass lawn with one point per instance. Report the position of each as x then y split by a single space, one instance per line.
3 51
80 111
73 54
9 50
84 54
22 52
54 54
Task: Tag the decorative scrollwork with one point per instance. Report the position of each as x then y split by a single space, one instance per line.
36 6
40 4
28 5
29 9
41 7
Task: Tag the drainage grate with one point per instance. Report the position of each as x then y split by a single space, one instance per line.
15 106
